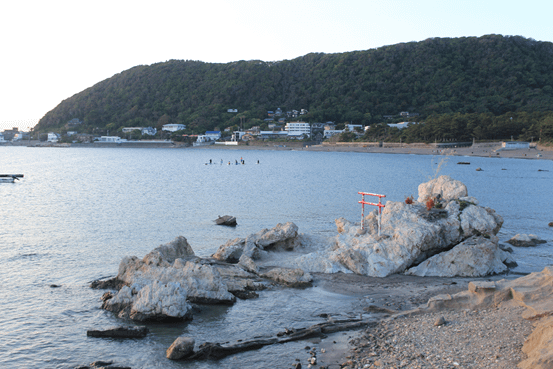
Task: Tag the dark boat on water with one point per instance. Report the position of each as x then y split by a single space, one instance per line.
227 220
10 178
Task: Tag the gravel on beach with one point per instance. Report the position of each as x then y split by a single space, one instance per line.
490 338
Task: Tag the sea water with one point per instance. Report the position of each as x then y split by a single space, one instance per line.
79 211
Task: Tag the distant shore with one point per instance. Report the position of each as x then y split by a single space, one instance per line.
491 149
488 149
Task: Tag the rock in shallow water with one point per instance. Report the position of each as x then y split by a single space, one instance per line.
181 348
525 240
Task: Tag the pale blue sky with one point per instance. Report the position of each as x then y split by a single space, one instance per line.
54 49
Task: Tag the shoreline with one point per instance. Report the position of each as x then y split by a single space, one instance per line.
485 149
404 338
478 150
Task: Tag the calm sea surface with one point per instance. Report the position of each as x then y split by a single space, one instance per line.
78 211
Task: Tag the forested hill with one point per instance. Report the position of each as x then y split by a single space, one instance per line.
490 74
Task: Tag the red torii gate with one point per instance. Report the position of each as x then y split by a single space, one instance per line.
363 203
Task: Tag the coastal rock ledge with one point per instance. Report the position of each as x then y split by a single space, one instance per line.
455 237
163 285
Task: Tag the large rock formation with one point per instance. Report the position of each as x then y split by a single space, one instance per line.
411 235
162 285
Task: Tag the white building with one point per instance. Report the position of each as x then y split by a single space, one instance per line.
53 137
213 135
237 135
515 145
298 129
111 139
173 127
273 134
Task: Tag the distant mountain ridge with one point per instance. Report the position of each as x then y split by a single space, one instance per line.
489 74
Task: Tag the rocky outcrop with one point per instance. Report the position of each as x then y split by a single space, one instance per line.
411 234
162 284
525 240
280 238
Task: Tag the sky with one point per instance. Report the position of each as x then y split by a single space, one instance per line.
51 50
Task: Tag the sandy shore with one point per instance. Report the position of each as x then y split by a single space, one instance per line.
478 150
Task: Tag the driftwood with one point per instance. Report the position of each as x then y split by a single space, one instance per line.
211 350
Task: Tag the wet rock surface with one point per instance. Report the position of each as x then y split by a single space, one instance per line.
526 240
120 332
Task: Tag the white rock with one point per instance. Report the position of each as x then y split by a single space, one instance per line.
448 188
178 248
281 235
230 251
475 219
160 301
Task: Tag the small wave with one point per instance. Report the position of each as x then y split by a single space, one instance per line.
18 257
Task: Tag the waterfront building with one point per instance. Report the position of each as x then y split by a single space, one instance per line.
514 145
298 128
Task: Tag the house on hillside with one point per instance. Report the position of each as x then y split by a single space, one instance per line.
213 135
53 137
9 134
173 127
111 139
74 122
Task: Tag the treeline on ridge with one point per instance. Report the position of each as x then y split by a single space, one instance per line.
461 87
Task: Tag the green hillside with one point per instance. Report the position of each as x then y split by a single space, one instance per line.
486 77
